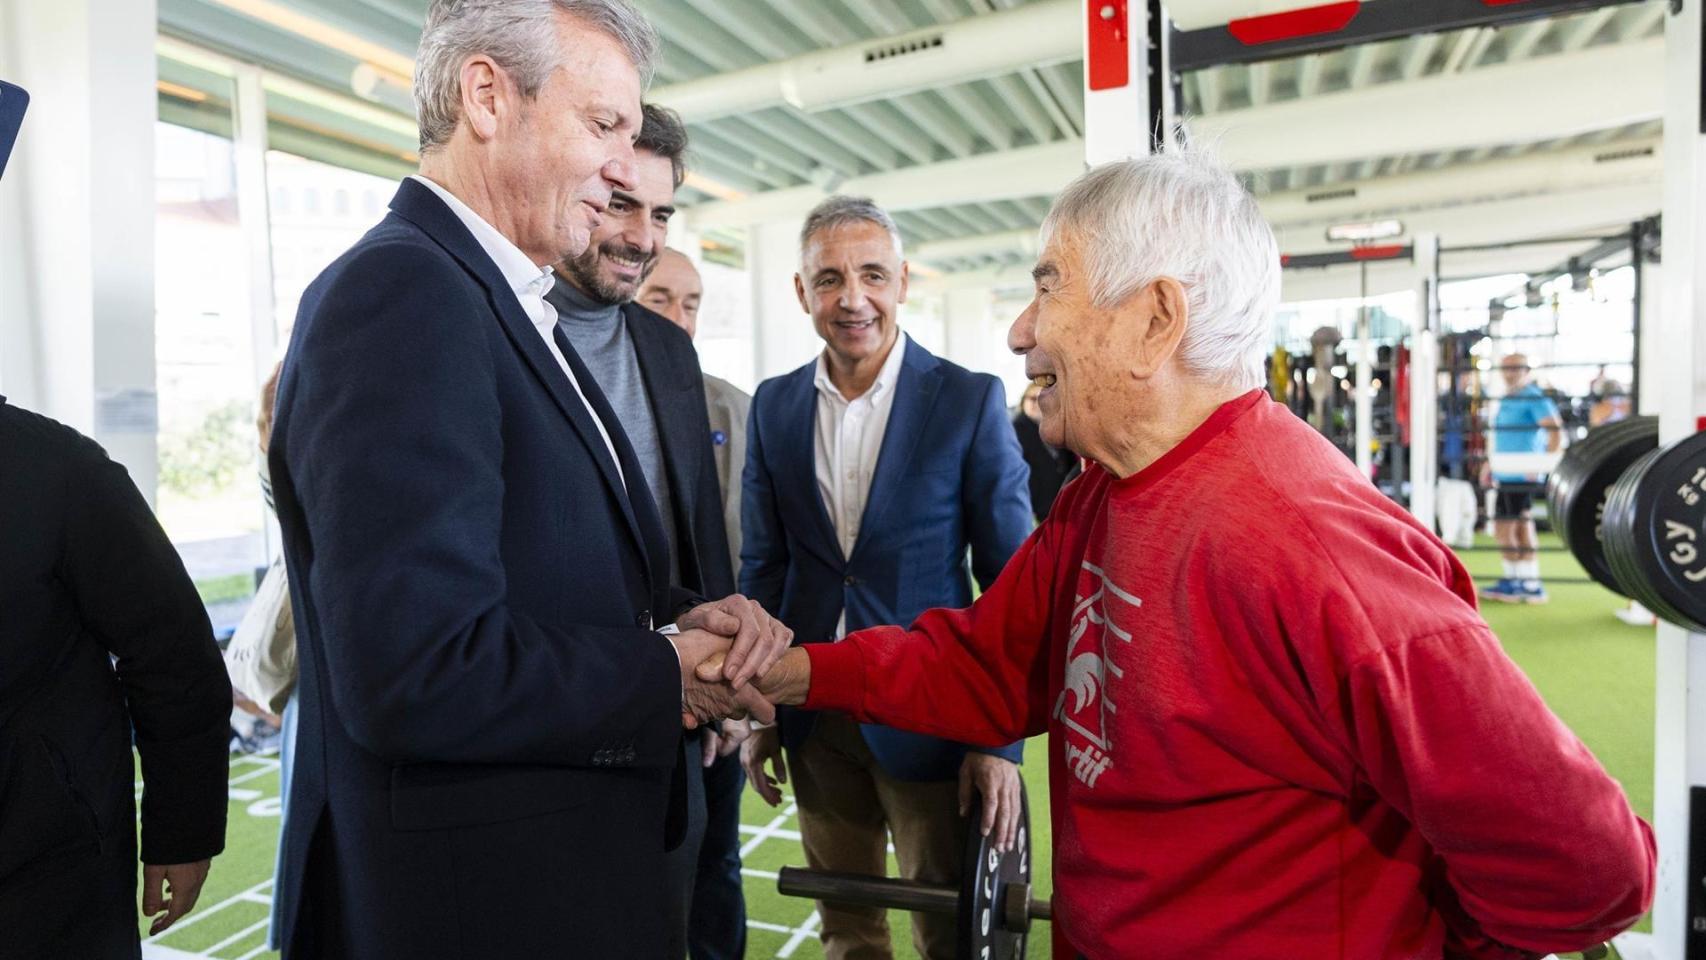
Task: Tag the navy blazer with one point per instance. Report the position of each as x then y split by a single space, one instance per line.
490 730
949 476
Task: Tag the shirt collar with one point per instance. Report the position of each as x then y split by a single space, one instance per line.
525 277
887 377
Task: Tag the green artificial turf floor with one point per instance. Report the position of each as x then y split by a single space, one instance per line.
1594 671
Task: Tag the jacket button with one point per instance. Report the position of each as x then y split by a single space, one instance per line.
643 619
851 580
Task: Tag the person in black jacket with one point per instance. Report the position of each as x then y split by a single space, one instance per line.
102 638
1051 467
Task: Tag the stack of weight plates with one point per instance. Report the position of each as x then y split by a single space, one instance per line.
1577 490
1655 532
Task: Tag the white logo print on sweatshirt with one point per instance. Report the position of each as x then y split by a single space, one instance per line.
1084 702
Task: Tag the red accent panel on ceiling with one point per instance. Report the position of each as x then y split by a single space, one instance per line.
1390 252
1107 46
1285 259
1307 22
1700 425
1500 3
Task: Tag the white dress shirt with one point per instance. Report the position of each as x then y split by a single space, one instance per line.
848 438
530 282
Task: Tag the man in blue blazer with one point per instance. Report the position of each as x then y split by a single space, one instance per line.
869 474
490 755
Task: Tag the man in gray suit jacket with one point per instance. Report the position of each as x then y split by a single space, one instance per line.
673 290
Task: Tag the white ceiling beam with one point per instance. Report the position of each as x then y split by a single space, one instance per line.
1530 101
1423 198
1005 175
974 48
1526 38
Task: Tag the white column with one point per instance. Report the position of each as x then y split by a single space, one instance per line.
965 323
77 222
1679 375
782 333
1652 351
1118 60
1424 384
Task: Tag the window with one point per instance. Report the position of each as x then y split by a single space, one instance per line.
209 495
305 241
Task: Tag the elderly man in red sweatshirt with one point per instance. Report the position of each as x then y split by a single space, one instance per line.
1278 726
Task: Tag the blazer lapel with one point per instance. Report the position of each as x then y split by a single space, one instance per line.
420 206
915 395
637 506
676 396
798 441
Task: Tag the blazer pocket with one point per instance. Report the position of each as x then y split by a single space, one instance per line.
441 796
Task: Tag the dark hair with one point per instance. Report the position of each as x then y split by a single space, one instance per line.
662 133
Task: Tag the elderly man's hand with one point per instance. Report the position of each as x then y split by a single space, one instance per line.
181 880
997 779
759 639
705 695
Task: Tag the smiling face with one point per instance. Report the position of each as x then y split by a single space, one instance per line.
625 247
853 281
556 159
1086 361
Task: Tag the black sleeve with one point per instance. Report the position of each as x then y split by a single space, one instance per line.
134 596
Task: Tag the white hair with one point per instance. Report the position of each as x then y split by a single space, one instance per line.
521 37
1180 215
841 210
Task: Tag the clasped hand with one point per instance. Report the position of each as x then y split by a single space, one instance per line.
745 641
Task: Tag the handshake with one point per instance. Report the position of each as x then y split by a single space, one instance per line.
730 650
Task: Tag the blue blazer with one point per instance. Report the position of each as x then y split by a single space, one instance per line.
949 476
490 730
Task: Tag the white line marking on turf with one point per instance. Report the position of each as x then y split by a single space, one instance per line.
235 937
771 829
255 952
153 951
806 930
760 874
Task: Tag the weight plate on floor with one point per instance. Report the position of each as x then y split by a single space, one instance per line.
1656 531
985 927
1578 488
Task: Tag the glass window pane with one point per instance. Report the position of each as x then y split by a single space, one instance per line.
318 226
209 494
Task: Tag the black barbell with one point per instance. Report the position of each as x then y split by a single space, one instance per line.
993 904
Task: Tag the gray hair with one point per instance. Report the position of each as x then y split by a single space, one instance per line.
519 36
841 210
1180 215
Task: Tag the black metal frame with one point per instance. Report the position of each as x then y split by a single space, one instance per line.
1372 23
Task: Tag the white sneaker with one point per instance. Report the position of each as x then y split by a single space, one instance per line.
1636 615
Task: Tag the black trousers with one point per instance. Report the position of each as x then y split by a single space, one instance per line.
718 927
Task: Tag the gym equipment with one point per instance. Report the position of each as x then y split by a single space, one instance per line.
1634 515
1655 532
1577 490
993 903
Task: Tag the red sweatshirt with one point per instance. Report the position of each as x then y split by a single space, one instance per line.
1279 728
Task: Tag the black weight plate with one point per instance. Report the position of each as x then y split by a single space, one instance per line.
1620 532
987 872
1670 532
1578 488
